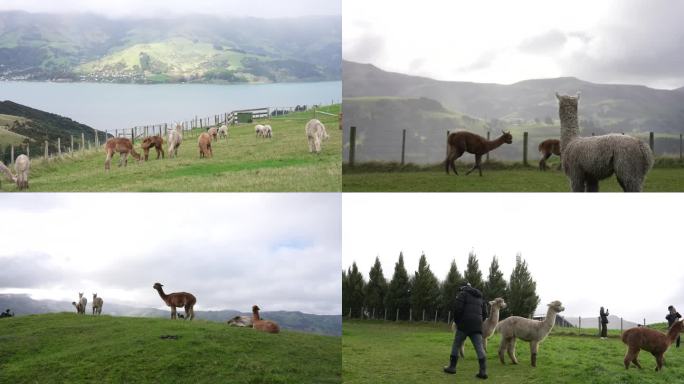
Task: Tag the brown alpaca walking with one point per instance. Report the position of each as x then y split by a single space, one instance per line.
649 340
178 299
153 141
547 148
263 325
204 143
464 141
121 145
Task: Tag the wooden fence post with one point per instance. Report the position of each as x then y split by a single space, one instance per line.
82 141
621 325
447 145
449 318
59 146
435 317
525 138
644 321
349 313
97 139
651 142
410 314
397 318
12 155
385 318
133 135
71 149
373 316
680 147
46 149
423 314
28 150
403 145
352 145
579 328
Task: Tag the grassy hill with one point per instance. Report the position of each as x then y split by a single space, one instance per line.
195 48
377 352
241 163
58 348
22 125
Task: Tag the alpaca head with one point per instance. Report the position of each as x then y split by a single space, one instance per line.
255 308
498 302
157 286
80 295
94 296
567 105
507 137
556 306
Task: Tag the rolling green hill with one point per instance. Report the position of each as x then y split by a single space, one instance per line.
377 352
65 347
242 163
87 47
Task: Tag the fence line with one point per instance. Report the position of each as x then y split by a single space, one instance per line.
401 148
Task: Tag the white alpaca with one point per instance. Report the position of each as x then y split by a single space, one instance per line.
259 130
315 134
175 140
97 304
223 131
82 301
268 131
21 166
213 132
528 330
240 321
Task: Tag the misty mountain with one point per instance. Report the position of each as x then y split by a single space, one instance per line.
603 107
382 104
22 304
193 48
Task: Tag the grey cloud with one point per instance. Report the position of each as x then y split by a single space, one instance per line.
29 270
368 49
544 43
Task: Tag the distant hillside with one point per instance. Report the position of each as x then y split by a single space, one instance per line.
296 321
28 126
194 48
603 107
65 347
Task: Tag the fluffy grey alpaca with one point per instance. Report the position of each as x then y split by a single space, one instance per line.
586 160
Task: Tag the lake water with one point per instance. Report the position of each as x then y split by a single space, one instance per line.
115 106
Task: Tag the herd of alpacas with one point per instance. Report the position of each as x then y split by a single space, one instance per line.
314 129
186 301
535 331
585 160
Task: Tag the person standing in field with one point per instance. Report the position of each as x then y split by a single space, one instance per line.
470 310
671 317
604 323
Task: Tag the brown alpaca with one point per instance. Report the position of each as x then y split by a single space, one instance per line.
121 145
547 148
204 143
153 141
178 299
263 325
463 141
649 340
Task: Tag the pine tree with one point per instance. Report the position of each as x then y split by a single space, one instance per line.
496 286
522 290
355 286
472 275
425 291
376 289
453 282
399 292
346 294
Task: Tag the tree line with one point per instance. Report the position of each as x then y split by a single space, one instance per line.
424 292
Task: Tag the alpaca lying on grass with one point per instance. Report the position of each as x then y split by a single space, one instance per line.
315 134
97 304
263 325
587 160
240 321
463 141
527 330
649 340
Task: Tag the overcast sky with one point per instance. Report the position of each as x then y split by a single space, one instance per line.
617 250
167 8
280 251
608 41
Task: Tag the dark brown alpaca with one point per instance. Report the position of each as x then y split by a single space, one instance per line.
263 325
121 145
649 340
547 148
463 141
178 299
153 141
204 143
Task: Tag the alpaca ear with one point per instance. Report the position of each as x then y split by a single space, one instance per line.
558 96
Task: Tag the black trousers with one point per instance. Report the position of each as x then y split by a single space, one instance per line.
604 329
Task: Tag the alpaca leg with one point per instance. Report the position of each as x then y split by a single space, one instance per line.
577 183
108 161
147 153
511 351
173 313
534 347
592 184
473 168
484 343
478 162
502 348
659 362
317 144
631 184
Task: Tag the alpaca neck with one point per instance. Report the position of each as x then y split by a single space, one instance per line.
549 321
255 315
494 144
569 127
161 293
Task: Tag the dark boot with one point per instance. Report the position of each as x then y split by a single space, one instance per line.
452 365
483 369
534 359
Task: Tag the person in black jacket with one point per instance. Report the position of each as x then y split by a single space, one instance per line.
470 310
671 317
604 323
